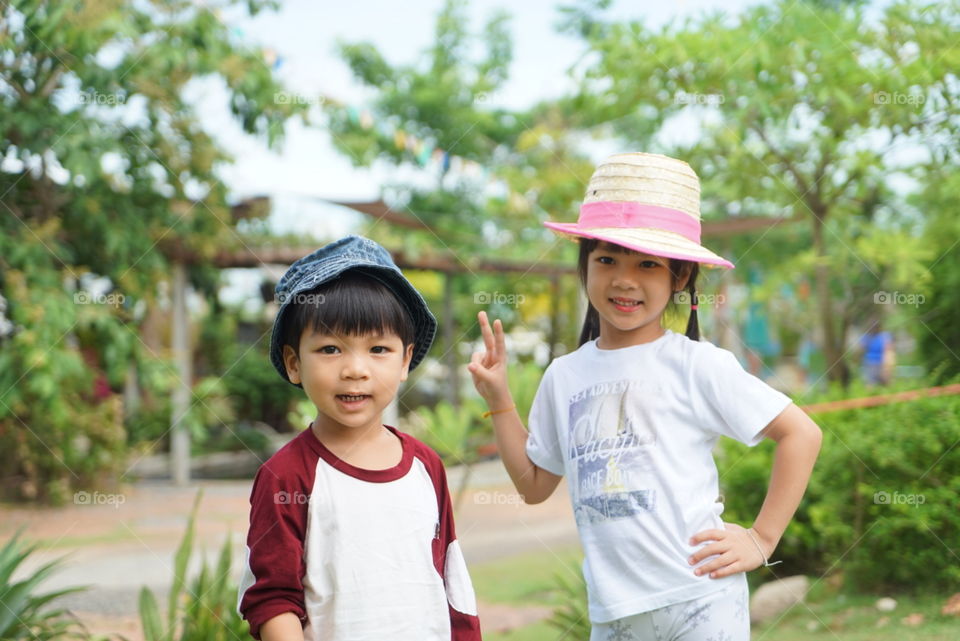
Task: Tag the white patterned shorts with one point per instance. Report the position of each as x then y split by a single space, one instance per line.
720 616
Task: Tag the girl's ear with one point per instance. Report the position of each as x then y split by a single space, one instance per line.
292 363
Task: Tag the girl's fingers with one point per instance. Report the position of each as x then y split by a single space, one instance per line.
705 552
488 340
722 561
501 338
707 535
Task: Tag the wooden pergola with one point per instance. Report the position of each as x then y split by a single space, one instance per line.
443 262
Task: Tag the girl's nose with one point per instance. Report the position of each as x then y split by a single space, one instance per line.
624 280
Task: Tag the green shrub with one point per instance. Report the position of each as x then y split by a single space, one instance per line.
257 392
204 610
571 616
25 613
882 501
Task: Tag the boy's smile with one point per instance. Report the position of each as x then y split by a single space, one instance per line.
350 379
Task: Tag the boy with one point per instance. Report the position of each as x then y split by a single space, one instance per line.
351 527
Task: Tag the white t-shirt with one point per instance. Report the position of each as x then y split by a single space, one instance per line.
633 430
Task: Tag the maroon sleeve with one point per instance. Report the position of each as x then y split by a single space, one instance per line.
273 578
447 558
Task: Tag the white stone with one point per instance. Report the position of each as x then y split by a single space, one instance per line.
886 604
773 598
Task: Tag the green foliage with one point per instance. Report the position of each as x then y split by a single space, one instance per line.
108 178
256 390
935 323
26 612
786 97
881 505
203 609
455 433
571 616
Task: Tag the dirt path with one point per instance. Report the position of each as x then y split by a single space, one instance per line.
116 543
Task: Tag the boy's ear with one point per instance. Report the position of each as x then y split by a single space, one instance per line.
292 363
407 357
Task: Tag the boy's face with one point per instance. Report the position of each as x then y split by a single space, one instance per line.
350 379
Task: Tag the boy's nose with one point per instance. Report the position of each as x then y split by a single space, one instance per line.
354 366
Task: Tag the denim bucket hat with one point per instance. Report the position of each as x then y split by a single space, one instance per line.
328 263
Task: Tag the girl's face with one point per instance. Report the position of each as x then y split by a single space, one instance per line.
629 290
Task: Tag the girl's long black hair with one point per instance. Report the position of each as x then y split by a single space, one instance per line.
591 323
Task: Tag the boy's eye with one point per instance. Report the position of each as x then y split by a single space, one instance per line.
328 349
379 349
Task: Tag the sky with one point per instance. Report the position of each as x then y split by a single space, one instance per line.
304 34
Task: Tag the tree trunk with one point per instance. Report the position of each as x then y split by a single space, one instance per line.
832 343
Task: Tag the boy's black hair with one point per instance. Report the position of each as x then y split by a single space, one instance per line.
356 303
591 322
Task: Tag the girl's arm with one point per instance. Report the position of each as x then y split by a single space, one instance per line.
798 443
489 371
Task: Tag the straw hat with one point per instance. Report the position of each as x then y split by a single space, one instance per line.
645 202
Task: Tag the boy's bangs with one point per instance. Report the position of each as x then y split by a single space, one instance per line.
355 304
360 306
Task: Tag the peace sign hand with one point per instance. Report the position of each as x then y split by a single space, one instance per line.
489 369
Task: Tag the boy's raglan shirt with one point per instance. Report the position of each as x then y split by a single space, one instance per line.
356 554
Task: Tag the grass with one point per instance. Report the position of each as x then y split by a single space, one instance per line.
527 579
828 615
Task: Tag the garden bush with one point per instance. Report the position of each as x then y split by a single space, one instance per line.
882 503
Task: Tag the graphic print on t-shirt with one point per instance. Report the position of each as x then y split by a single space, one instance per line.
610 442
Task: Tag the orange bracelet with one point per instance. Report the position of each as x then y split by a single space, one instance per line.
492 412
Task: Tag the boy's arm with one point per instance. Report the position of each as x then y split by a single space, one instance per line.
283 627
489 371
272 582
798 443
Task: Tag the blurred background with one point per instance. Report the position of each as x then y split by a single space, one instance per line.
162 162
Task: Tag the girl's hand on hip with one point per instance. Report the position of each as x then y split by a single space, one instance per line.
733 550
489 369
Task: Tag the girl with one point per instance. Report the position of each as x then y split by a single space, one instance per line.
631 418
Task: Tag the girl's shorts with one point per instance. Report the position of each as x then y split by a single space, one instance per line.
720 616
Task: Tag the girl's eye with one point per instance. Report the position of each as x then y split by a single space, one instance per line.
328 349
605 260
649 264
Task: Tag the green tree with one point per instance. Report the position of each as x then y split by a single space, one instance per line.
107 176
936 325
796 110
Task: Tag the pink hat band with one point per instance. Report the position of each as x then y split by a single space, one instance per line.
630 214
